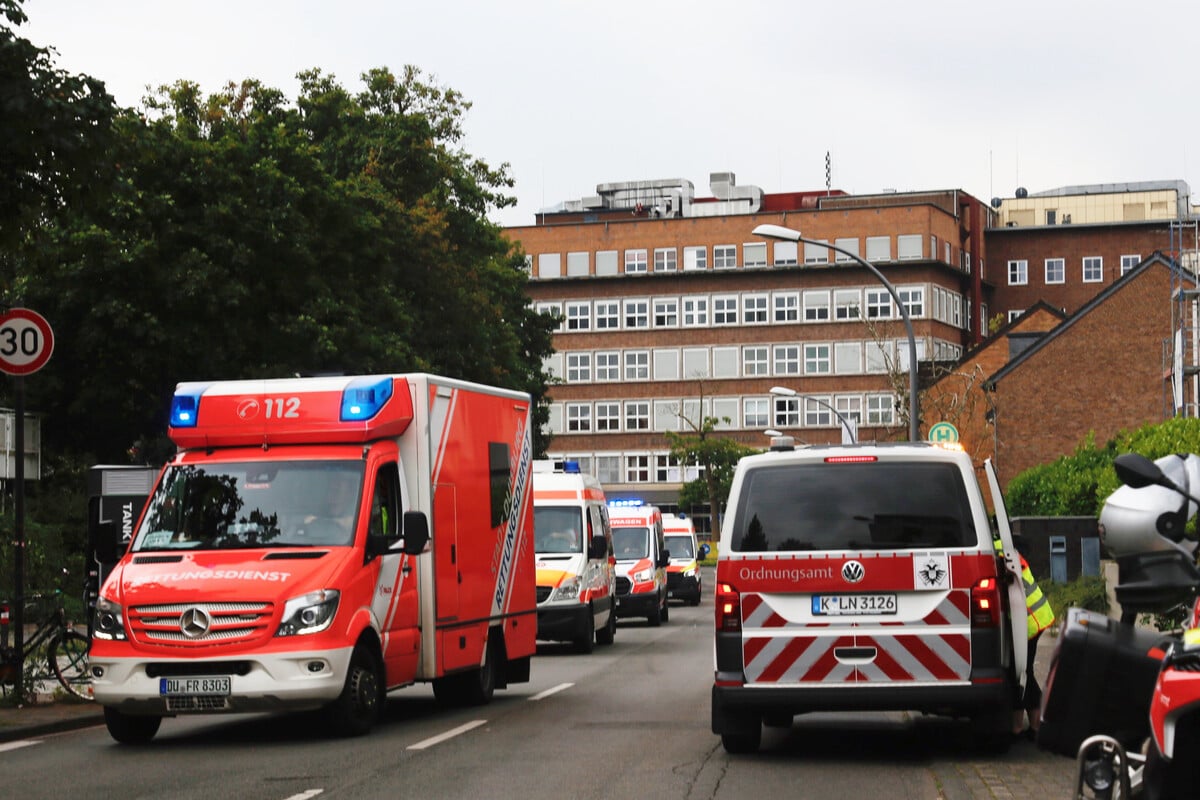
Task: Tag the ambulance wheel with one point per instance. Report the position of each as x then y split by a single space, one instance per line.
666 610
991 730
475 688
130 728
586 642
655 617
609 632
742 742
358 706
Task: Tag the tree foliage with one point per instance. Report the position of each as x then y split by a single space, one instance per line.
717 456
1078 484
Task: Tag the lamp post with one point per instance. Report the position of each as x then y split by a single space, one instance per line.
789 235
783 391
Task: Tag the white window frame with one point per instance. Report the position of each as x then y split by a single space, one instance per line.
666 259
608 467
695 257
785 412
913 298
608 366
845 244
635 313
909 246
1128 262
1056 270
579 367
881 409
785 308
754 254
579 315
785 254
724 256
818 358
816 252
606 263
785 359
1018 272
637 468
578 264
847 304
756 413
879 248
607 416
636 261
637 415
878 304
636 365
695 311
725 309
754 309
816 305
756 361
847 358
607 315
666 312
556 310
1093 269
578 417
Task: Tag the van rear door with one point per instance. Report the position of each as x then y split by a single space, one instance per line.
1016 587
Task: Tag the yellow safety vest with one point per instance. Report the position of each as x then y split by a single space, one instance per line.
1039 614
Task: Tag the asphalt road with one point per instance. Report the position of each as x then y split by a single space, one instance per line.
630 720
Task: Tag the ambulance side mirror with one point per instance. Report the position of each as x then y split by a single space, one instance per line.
598 547
664 558
416 532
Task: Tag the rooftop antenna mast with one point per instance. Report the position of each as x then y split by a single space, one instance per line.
828 175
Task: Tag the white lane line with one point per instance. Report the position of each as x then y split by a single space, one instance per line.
18 745
450 734
305 795
553 690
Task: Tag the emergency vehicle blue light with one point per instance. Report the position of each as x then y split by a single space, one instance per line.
627 502
363 398
183 410
571 467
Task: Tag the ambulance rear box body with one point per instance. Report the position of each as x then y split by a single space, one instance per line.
318 542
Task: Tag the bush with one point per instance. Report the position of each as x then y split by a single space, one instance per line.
1087 592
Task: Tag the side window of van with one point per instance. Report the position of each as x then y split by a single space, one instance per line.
385 505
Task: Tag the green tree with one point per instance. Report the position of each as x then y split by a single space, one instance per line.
717 457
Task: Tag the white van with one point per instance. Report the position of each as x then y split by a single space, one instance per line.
683 573
573 546
642 560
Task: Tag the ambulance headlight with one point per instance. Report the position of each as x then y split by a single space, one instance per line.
643 576
310 613
108 622
690 572
567 590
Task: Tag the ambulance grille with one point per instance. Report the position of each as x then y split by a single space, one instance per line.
624 586
227 623
197 703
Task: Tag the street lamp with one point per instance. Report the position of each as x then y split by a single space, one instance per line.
783 391
789 235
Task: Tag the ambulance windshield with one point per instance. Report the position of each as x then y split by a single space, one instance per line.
631 543
253 505
556 529
680 546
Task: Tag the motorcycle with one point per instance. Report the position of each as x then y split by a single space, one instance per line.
1125 699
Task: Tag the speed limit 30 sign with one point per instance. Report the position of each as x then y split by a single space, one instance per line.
26 341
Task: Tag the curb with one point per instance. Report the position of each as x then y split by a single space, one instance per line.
18 731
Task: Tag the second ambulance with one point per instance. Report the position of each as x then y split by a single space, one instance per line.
641 561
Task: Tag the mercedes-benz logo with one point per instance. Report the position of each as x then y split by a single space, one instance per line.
853 572
194 622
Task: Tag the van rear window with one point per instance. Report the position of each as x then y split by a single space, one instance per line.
864 506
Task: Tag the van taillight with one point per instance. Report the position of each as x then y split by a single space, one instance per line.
729 608
985 603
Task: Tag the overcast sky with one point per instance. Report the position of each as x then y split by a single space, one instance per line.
934 94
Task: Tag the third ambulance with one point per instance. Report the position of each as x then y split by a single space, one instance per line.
683 573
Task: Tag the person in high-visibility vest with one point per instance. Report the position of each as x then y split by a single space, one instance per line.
1039 617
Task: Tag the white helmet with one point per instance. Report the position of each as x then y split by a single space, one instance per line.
1139 520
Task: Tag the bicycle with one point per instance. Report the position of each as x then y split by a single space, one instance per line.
64 649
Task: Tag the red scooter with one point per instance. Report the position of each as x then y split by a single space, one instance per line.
1125 700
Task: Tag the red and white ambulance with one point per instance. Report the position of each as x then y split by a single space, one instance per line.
318 542
684 581
641 560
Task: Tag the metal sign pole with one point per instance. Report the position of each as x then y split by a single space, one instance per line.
19 534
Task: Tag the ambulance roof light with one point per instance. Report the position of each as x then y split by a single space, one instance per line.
363 397
626 502
184 407
570 467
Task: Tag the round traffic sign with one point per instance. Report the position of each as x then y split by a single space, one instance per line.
943 432
26 341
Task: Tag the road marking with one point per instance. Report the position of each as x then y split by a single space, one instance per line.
450 734
305 795
554 690
19 745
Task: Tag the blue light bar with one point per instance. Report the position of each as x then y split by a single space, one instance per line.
629 502
571 467
184 407
363 398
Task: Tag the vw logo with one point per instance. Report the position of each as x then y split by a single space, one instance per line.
194 623
853 572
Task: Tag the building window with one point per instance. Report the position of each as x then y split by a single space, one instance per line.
816 252
695 312
579 418
1093 269
787 307
845 244
785 254
754 254
666 312
817 413
637 365
1056 270
847 358
635 261
579 316
724 256
637 415
1018 273
787 412
608 315
909 246
606 263
1129 262
817 360
754 309
725 309
913 298
608 366
849 406
666 469
577 265
881 409
816 306
579 367
666 259
550 265
553 310
608 469
755 411
637 314
754 361
787 359
879 248
695 258
666 365
879 304
847 304
725 362
695 362
637 469
608 416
